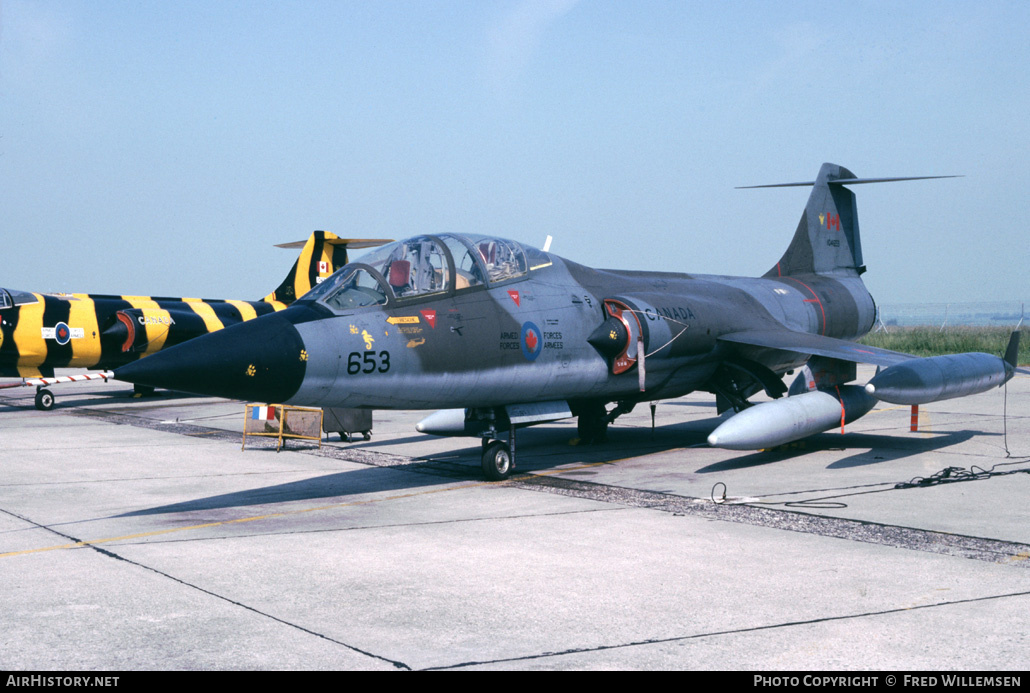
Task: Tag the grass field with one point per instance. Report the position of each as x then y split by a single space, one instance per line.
932 341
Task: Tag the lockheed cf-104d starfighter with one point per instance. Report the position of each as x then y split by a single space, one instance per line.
40 332
499 335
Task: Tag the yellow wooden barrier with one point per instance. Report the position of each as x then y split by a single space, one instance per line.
282 423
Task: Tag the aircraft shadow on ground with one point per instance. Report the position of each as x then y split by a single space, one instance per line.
542 449
873 449
353 482
547 448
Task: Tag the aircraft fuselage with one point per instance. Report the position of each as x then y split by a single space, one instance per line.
42 331
523 341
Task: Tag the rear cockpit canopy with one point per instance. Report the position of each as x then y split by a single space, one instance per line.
424 266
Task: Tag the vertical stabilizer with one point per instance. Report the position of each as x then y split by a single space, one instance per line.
827 239
321 255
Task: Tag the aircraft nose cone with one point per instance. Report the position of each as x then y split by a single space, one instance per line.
610 337
260 360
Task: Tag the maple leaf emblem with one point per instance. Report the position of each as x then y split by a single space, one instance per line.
531 340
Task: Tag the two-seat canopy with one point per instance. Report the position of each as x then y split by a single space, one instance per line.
424 266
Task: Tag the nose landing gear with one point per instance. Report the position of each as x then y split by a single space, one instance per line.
44 399
499 457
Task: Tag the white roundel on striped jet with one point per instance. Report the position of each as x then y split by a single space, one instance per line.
61 333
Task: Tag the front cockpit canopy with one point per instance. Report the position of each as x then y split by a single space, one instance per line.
11 298
424 266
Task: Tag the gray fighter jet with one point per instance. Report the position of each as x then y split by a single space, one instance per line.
498 335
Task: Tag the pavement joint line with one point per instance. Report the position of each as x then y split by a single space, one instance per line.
931 541
733 631
111 554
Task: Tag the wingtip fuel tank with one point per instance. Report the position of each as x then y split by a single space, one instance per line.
936 378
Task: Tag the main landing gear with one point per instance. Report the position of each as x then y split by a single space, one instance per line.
594 418
498 460
499 456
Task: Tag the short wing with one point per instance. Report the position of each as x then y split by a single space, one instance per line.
816 345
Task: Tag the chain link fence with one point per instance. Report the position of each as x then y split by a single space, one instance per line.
1008 314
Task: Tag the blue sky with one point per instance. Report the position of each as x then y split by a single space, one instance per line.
164 147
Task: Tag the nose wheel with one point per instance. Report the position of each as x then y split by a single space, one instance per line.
44 399
499 457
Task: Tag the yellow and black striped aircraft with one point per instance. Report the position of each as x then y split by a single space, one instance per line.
41 332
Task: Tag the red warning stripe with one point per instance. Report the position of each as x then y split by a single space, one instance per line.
814 299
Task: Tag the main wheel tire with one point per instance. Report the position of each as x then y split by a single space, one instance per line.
497 461
44 400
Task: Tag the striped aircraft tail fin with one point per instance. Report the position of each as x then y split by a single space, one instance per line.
321 255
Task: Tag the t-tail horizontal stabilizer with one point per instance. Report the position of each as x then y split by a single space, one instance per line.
843 181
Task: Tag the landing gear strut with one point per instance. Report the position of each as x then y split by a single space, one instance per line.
592 425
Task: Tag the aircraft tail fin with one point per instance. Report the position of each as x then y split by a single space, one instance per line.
827 240
321 255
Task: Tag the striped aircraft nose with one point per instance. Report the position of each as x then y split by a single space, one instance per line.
261 360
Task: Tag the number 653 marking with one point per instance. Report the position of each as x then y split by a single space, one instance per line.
368 362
